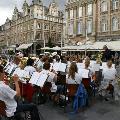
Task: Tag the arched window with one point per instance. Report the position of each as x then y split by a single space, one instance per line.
104 6
115 4
114 24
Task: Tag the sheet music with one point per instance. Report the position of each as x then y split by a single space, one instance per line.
38 79
56 66
85 73
62 67
59 67
109 73
34 78
96 67
80 71
92 62
80 65
41 80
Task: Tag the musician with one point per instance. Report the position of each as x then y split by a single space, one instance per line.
46 69
87 66
8 95
29 67
39 63
23 74
107 55
108 74
73 77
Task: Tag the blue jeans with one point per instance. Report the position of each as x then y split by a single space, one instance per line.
32 108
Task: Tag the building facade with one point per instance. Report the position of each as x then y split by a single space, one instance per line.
36 24
92 19
108 20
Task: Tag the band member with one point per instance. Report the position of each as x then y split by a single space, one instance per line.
73 77
109 82
107 55
7 95
29 67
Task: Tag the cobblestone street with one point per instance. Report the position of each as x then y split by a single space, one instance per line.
100 110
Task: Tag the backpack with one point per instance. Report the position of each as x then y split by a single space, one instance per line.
81 97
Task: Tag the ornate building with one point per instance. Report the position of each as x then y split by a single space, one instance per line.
36 24
93 20
108 20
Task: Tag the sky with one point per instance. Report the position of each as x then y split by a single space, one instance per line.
7 7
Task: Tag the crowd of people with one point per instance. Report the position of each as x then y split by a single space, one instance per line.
75 68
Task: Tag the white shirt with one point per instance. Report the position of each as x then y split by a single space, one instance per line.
77 79
30 69
51 75
7 95
22 74
109 73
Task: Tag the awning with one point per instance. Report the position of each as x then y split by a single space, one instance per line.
24 46
56 48
46 48
12 46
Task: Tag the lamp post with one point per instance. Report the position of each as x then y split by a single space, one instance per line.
61 42
86 42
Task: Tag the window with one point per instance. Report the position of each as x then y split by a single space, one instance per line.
80 11
71 14
89 9
68 14
75 13
39 25
70 29
115 4
104 25
79 27
47 27
104 6
114 24
89 26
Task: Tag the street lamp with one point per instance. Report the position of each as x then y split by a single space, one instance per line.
86 38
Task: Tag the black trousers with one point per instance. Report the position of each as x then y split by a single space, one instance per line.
32 108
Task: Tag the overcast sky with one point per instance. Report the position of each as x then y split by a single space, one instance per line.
7 7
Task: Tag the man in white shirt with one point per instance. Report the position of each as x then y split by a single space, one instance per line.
7 95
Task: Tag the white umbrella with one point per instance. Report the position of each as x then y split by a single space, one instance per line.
46 48
56 48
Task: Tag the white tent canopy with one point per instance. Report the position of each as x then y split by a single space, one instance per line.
46 48
113 45
24 46
56 48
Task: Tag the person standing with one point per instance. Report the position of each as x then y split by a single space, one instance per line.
107 54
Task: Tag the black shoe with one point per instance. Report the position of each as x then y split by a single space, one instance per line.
106 99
